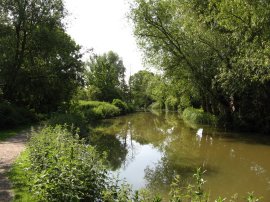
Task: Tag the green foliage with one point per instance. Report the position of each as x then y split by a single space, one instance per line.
107 74
63 168
52 176
20 180
156 106
214 51
121 105
88 93
171 103
93 110
106 111
184 103
198 116
13 116
139 83
252 198
40 65
73 122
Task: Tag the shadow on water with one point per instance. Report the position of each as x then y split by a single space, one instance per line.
150 149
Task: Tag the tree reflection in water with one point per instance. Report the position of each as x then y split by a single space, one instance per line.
153 148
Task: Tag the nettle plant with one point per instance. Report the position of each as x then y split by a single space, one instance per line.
64 168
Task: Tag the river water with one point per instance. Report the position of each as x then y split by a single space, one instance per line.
148 149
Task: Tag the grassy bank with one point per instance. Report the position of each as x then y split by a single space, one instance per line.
198 116
83 114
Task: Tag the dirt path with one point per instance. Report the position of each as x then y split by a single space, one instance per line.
9 151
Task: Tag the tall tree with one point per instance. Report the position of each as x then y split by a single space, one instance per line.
139 85
39 63
220 47
107 73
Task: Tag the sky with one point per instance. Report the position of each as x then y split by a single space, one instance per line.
103 26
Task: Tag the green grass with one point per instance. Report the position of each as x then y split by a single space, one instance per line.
19 179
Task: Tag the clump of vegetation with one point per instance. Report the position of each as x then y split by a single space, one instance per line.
121 105
93 110
73 122
61 167
198 116
171 103
106 111
155 106
14 116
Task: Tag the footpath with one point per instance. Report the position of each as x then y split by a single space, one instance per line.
9 151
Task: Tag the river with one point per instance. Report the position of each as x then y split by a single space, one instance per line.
148 149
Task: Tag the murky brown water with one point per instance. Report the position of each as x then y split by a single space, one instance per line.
149 149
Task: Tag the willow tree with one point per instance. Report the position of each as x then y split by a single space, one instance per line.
219 47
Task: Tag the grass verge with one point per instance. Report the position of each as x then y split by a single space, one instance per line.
19 179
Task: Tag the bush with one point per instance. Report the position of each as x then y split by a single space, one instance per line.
198 116
131 108
63 167
171 103
92 110
106 110
185 102
13 116
121 105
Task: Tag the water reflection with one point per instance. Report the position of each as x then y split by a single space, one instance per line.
149 149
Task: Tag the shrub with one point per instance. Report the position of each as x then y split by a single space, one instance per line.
13 116
131 108
171 103
185 102
106 110
92 110
64 168
121 105
198 116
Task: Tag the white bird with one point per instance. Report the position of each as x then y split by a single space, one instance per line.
199 133
170 130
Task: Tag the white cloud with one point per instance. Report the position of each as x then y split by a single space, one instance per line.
102 25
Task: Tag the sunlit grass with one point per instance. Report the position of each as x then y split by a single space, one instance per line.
19 179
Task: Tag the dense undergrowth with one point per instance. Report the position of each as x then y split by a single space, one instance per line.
83 114
198 116
60 166
12 116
